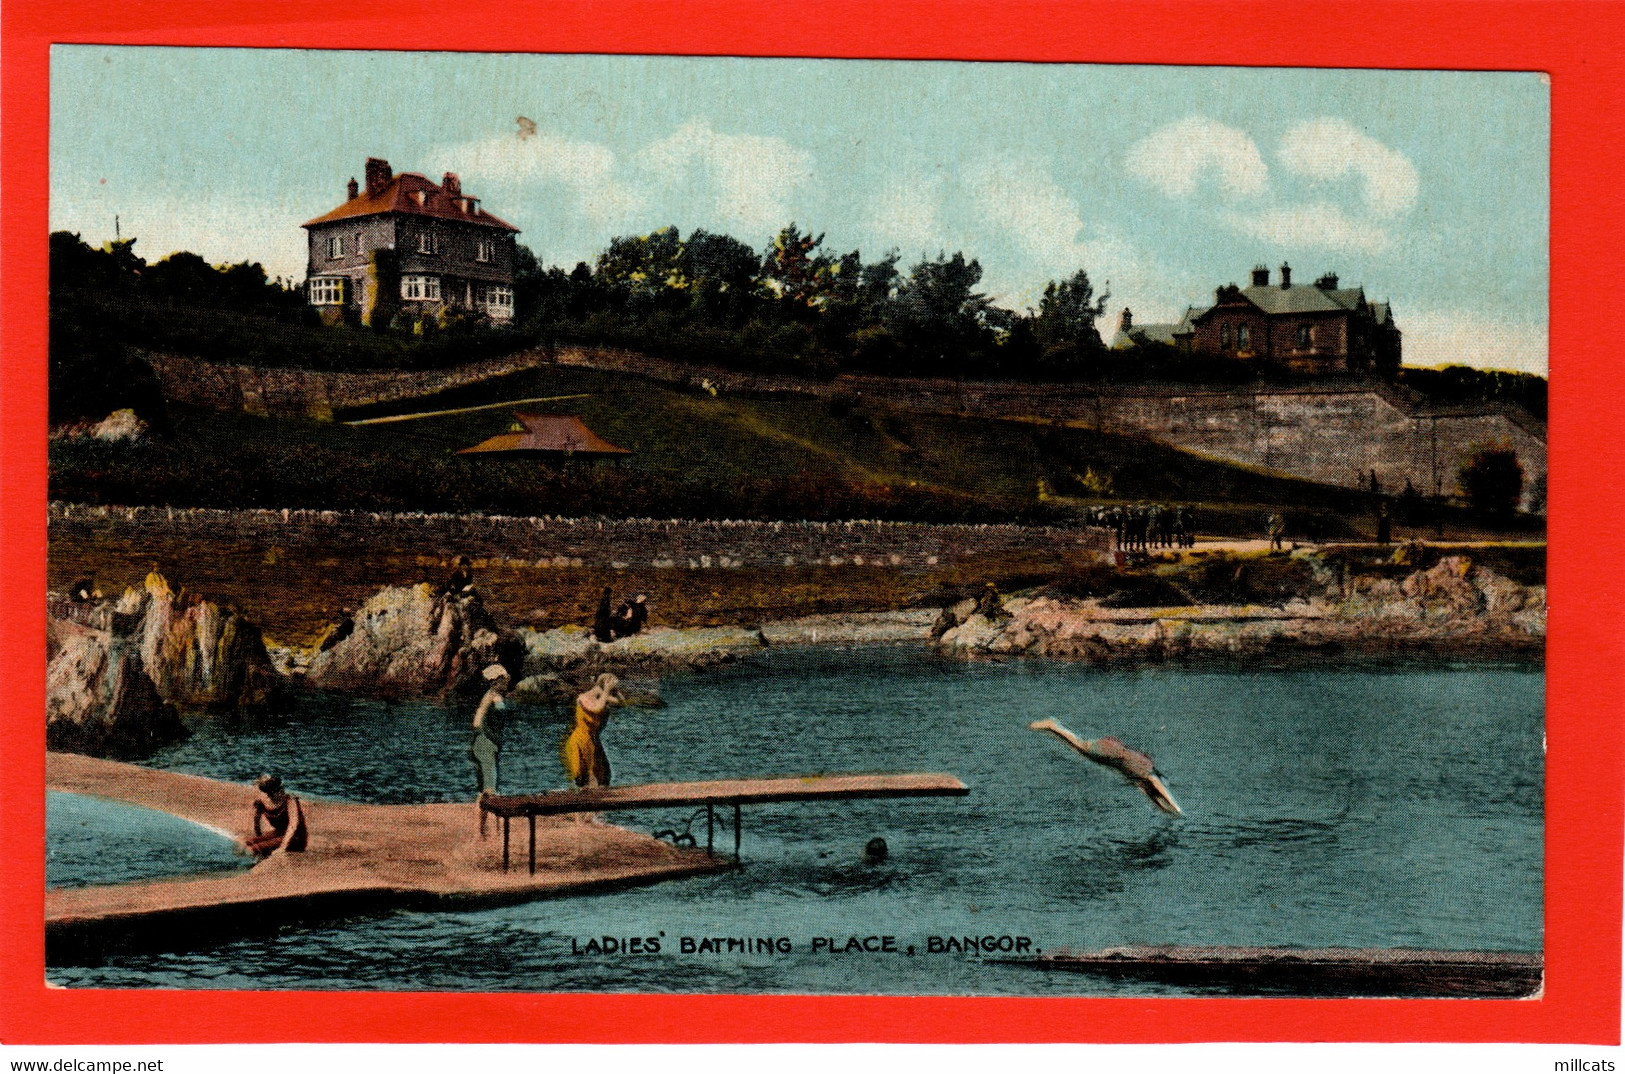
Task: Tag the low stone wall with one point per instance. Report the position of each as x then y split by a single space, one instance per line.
574 542
314 393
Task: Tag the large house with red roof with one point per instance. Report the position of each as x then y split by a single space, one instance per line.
1320 328
408 245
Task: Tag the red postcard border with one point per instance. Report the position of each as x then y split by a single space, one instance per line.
1577 44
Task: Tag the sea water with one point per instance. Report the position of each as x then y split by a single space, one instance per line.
1337 805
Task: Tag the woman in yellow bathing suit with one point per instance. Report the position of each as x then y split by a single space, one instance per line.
582 753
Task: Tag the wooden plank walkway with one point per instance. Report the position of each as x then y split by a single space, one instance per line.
728 792
1324 971
712 793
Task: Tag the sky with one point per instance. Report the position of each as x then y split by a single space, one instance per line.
1427 188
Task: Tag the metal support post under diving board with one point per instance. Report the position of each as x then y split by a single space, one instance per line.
736 833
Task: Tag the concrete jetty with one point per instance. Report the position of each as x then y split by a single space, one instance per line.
359 859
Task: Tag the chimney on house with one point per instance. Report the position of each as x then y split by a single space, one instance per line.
1261 276
354 190
378 175
1327 282
451 184
1286 275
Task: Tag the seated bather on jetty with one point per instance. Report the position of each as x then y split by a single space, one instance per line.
365 858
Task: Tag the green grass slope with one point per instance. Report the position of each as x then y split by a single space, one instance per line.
693 455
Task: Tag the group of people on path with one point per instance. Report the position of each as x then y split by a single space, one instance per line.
1142 526
623 620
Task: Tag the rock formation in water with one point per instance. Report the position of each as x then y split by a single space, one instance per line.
409 641
98 698
120 672
1452 607
198 654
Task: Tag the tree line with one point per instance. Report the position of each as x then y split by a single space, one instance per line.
800 307
796 307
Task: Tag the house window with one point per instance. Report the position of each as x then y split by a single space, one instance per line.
499 302
1243 338
1224 336
327 290
335 247
420 288
1306 337
429 242
484 249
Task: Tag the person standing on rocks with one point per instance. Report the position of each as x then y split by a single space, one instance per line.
461 582
486 747
84 590
603 620
1277 528
582 751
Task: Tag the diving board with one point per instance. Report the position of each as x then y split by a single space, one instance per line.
712 793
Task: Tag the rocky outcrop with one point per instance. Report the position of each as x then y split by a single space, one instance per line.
409 641
120 673
561 662
121 426
98 698
1451 608
197 654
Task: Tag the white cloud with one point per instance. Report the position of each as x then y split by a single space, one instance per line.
1320 226
755 176
908 214
1175 158
1460 337
1022 199
1329 149
588 170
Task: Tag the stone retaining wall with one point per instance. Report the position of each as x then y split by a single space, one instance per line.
1334 432
314 393
1331 433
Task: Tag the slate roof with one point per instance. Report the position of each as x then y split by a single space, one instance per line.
559 434
400 195
1305 299
1156 332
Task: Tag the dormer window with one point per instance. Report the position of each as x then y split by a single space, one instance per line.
428 242
422 196
335 247
484 249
